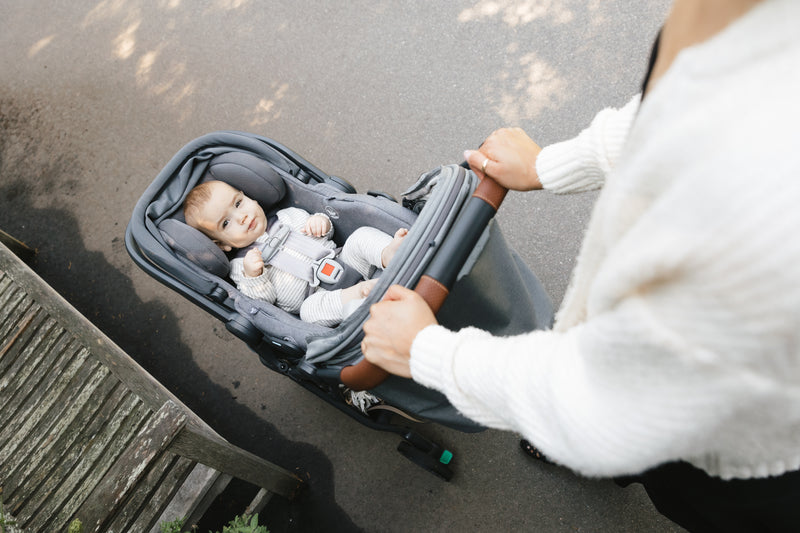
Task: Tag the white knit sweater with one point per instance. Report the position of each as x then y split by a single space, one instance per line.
679 337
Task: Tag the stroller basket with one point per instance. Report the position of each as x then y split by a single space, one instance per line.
494 290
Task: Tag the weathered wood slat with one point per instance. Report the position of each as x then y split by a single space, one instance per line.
10 299
259 501
22 354
140 513
22 360
19 311
119 362
195 494
18 338
14 429
66 446
12 328
153 510
27 351
5 282
219 454
37 355
9 292
29 497
34 371
125 435
70 488
85 432
14 433
129 509
63 352
57 419
213 492
132 465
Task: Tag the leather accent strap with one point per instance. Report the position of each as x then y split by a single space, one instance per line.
433 292
490 192
362 376
365 375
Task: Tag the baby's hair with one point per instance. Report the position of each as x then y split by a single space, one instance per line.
195 201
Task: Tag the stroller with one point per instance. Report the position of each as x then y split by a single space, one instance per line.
453 243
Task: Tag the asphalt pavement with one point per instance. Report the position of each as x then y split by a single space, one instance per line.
96 96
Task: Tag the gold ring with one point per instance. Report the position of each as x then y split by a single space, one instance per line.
483 166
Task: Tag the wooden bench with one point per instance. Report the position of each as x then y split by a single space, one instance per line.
86 433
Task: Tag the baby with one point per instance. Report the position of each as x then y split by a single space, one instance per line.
234 221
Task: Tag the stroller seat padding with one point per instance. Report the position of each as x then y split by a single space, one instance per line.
193 245
250 174
243 171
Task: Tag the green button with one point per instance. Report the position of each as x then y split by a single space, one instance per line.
446 457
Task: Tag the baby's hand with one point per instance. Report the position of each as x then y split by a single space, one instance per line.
253 263
317 225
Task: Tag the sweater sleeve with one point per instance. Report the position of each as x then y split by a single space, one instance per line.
582 163
598 398
687 359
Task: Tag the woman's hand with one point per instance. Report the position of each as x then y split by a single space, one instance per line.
511 159
392 327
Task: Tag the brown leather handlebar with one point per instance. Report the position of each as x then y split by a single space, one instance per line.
365 375
362 376
490 192
433 292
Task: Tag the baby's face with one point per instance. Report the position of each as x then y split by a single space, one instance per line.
232 219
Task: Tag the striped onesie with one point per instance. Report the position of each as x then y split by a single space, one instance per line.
362 250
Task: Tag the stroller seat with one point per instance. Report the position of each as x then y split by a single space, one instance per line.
204 267
493 289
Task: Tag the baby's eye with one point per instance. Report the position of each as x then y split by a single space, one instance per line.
238 203
224 224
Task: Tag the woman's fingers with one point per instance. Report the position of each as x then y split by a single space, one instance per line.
392 327
508 156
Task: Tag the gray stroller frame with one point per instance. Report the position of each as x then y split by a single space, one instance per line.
491 287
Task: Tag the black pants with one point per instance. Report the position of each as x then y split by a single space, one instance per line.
701 503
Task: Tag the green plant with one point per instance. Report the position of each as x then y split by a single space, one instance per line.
76 526
175 526
240 524
6 523
244 524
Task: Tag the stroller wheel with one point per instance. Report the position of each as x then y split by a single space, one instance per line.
435 465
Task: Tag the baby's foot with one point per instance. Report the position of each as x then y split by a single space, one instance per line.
359 291
353 297
391 248
365 287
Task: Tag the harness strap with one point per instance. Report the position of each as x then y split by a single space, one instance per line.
307 246
322 270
